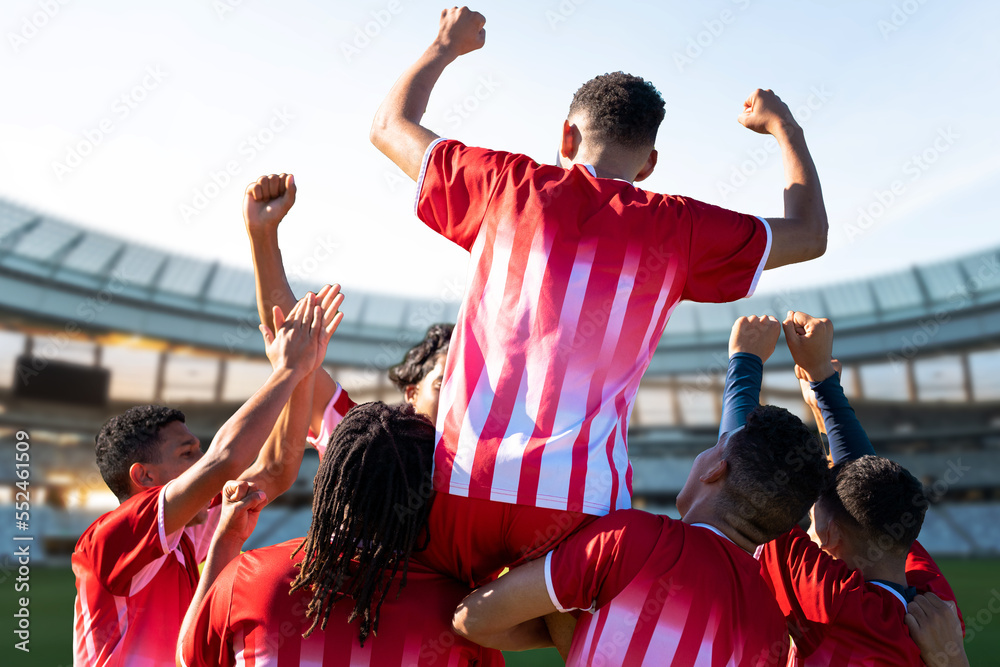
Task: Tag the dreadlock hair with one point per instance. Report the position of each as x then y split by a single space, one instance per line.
371 500
131 437
621 109
880 501
420 359
776 472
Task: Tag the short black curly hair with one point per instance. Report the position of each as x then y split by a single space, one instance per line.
621 109
420 359
881 501
131 437
776 472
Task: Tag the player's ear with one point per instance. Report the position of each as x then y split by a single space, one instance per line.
647 168
571 139
715 473
141 476
410 394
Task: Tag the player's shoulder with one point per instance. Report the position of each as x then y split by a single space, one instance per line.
121 519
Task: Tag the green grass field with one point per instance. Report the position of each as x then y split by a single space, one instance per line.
976 583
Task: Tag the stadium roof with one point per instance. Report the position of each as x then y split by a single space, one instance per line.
56 274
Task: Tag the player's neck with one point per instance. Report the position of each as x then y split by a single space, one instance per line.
884 570
708 517
608 164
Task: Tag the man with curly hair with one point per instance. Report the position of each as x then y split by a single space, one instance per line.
136 567
418 377
574 274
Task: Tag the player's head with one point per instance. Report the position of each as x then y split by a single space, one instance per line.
371 499
871 511
615 116
762 478
145 446
420 373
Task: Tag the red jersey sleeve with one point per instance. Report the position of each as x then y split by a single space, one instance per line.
338 406
808 583
128 540
455 186
209 643
727 252
924 574
595 564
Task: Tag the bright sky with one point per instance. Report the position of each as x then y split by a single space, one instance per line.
903 96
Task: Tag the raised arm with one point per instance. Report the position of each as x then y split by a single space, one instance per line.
265 204
801 234
396 130
751 343
810 340
295 351
241 505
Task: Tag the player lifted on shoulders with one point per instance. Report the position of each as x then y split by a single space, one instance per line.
574 274
265 204
668 592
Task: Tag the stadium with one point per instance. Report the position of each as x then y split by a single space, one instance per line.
126 277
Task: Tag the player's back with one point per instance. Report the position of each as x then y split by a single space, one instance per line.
572 281
835 617
250 618
666 593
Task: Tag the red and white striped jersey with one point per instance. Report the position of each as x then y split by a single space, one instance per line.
338 406
662 592
134 584
571 283
249 619
834 616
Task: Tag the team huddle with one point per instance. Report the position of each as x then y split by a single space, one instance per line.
491 510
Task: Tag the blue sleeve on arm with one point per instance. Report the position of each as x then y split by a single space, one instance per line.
742 394
847 439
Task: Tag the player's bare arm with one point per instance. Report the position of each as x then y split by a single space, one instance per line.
935 628
801 234
295 349
265 204
507 613
241 505
396 130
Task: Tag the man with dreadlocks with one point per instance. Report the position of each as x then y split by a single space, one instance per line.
265 204
323 599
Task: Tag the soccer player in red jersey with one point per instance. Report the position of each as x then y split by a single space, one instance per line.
668 592
574 274
265 204
136 567
359 594
844 586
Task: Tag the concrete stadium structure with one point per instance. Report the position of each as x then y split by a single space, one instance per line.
921 350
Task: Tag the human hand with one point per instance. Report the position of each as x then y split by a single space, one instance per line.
764 112
755 335
267 200
241 506
299 341
461 31
935 628
810 340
